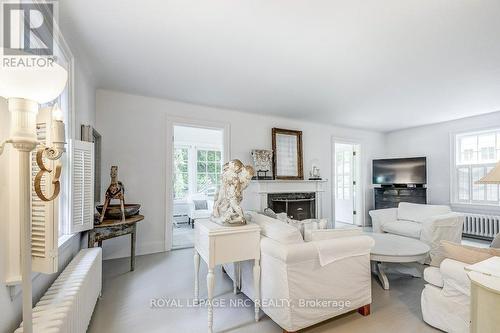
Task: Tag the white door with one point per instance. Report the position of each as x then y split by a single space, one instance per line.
346 183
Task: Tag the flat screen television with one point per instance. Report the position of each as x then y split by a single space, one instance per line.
400 171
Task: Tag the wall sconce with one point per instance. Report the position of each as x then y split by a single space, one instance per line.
53 153
25 87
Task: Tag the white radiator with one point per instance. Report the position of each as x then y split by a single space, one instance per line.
481 226
68 304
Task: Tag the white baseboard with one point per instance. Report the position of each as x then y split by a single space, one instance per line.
141 249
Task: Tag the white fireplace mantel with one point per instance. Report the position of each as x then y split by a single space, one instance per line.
255 196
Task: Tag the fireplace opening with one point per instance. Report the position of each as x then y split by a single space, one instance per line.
297 206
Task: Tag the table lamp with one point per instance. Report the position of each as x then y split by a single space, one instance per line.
493 177
25 87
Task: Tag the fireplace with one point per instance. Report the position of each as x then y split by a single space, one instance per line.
297 206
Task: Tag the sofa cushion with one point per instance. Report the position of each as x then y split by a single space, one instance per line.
463 253
419 213
324 234
403 228
433 276
276 230
309 224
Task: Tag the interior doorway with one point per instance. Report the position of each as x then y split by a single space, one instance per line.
197 158
347 192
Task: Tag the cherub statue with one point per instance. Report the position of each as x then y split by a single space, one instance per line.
235 178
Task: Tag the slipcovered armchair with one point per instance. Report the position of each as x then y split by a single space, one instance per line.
429 223
445 300
200 207
333 266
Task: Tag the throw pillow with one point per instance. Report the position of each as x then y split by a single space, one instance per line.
462 253
269 212
496 242
200 204
282 217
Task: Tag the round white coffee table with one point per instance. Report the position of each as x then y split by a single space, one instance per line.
396 249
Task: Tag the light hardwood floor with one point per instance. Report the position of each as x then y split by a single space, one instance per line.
125 305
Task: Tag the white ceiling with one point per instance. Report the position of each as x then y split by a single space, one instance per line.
374 64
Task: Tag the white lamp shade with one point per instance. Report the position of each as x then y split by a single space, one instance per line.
41 84
493 177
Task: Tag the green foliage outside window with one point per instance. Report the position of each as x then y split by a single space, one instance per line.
208 166
181 175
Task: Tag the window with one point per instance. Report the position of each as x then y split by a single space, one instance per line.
196 170
65 58
475 155
181 175
208 169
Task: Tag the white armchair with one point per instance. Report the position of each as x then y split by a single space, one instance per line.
429 223
200 207
445 299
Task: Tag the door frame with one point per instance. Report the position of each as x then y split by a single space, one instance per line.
173 121
359 182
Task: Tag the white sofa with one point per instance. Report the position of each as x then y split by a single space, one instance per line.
291 270
429 223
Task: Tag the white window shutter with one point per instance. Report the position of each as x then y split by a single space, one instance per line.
44 215
81 186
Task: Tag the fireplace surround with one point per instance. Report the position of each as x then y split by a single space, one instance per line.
298 206
307 193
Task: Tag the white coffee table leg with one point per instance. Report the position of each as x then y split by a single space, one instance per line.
196 274
256 287
210 288
382 277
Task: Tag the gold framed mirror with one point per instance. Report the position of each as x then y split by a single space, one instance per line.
287 148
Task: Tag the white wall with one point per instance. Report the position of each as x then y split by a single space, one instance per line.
198 136
84 113
433 141
134 138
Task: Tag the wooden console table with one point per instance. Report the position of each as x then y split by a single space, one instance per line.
115 228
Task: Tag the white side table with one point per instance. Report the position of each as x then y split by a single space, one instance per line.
218 245
485 295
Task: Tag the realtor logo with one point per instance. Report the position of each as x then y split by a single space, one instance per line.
28 28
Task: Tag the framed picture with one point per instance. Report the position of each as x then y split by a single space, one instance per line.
287 147
88 133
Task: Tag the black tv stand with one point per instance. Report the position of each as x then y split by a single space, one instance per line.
389 196
399 186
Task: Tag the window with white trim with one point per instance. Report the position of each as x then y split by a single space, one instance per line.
476 153
65 59
208 170
197 169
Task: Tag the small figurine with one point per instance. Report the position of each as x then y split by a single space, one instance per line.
235 178
116 191
314 173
